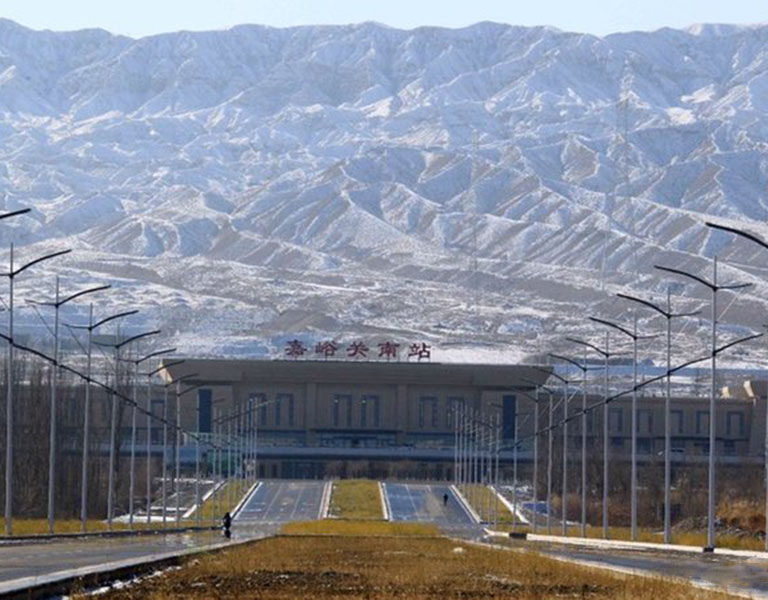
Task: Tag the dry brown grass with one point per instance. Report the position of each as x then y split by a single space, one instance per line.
286 568
484 501
359 528
356 499
40 526
238 489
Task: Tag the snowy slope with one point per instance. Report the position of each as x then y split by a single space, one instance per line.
494 183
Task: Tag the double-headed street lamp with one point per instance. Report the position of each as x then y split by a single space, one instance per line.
635 338
764 245
87 406
714 287
57 303
668 315
11 275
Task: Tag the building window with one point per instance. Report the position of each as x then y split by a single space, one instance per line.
204 408
336 412
427 403
454 407
729 447
702 421
677 446
644 445
617 442
287 401
349 411
644 420
260 400
676 421
369 404
435 413
734 424
616 420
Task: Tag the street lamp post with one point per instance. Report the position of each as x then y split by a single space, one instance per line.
583 368
57 304
764 245
90 328
606 354
668 315
714 287
633 485
11 275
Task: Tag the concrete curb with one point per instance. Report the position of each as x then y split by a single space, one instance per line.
47 537
656 547
203 500
510 507
385 507
465 505
325 503
61 582
239 506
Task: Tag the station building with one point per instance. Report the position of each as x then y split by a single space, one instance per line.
316 418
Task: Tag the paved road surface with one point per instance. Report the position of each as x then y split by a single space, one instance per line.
424 503
281 501
34 559
743 575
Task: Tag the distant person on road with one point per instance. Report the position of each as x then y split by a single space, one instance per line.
227 521
445 499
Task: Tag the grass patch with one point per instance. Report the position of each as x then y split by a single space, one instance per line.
393 568
484 501
236 487
352 528
40 526
356 499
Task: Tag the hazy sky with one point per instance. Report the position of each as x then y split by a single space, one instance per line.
145 17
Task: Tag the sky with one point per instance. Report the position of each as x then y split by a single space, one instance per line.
139 18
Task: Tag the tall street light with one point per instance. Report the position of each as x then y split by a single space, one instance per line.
11 275
635 337
87 406
162 367
753 238
57 304
606 354
714 287
668 315
148 441
583 368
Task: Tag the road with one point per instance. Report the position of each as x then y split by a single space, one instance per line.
424 503
281 501
38 558
743 575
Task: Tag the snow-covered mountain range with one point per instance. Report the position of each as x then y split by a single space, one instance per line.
483 189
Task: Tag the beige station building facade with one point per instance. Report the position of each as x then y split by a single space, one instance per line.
312 417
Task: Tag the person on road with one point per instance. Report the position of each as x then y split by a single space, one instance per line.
445 499
227 521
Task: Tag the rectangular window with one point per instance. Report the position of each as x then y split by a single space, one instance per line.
284 400
508 417
454 407
617 442
376 417
204 404
435 413
616 420
729 447
677 446
676 421
734 424
336 412
261 401
702 422
644 445
363 412
349 411
644 420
